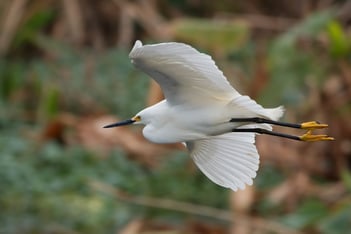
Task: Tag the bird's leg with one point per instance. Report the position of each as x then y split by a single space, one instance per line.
305 137
308 136
267 132
306 125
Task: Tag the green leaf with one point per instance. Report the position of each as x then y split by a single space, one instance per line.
338 222
31 27
268 177
50 102
289 65
339 44
346 178
218 36
307 214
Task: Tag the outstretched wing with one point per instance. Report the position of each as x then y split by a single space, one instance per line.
184 74
229 160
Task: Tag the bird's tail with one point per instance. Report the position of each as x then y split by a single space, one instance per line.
274 113
244 106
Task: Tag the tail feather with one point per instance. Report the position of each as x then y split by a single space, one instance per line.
275 113
244 106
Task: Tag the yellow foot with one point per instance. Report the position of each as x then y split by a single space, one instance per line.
310 137
313 125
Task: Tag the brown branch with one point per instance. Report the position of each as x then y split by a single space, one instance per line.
144 13
189 208
344 10
262 21
11 22
74 20
125 29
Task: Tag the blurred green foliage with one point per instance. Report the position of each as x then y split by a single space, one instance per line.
213 35
291 64
44 187
74 81
307 214
26 35
340 44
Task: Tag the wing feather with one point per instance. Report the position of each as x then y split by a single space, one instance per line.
229 160
183 73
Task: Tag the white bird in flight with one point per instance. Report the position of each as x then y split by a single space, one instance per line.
201 109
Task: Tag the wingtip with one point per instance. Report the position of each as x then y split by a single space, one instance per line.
137 44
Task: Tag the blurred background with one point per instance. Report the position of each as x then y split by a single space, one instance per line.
65 72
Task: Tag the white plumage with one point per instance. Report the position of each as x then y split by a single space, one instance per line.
230 160
199 104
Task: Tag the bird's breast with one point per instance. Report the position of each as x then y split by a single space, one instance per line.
185 123
170 133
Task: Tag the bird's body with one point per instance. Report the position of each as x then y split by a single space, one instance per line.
199 100
174 122
204 111
186 123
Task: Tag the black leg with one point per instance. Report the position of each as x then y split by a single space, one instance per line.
267 132
307 125
305 137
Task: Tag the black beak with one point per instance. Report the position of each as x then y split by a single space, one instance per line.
122 123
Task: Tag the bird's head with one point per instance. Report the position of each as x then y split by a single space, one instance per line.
149 115
135 120
145 117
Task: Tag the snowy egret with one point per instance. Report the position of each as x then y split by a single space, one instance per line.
201 109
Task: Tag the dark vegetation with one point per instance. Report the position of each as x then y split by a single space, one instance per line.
65 72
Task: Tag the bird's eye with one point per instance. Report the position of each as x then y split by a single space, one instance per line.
136 118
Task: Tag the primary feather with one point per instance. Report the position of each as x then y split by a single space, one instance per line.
230 160
182 72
